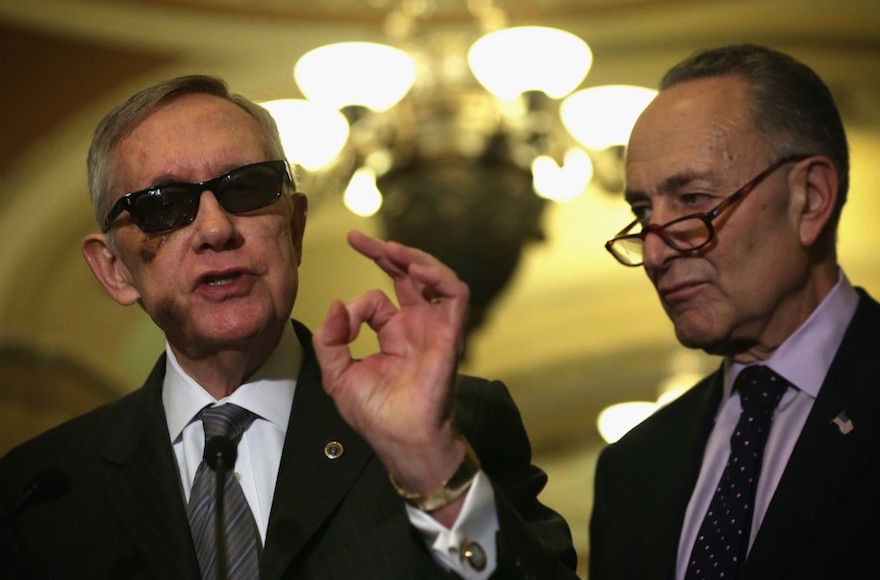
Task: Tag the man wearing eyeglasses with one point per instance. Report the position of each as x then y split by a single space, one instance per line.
770 467
329 467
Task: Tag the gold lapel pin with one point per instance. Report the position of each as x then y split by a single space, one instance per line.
333 450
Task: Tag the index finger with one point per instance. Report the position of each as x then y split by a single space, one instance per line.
394 258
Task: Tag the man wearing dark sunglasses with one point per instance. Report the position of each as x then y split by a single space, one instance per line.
770 467
387 467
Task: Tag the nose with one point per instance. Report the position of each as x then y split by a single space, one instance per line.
214 226
656 251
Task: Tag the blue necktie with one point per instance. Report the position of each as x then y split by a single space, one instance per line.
242 540
722 542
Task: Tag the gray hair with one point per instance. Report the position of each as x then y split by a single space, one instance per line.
122 120
788 103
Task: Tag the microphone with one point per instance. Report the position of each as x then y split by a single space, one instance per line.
42 487
220 455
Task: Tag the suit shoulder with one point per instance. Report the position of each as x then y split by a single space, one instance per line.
469 388
866 320
475 396
676 417
97 424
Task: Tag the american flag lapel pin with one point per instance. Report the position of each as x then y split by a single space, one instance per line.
843 423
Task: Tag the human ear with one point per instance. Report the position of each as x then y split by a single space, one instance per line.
109 270
814 182
298 223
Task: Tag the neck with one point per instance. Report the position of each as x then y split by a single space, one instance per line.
788 316
222 370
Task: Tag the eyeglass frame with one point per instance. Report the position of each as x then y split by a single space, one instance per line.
127 201
706 217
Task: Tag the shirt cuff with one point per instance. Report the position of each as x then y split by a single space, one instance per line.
468 549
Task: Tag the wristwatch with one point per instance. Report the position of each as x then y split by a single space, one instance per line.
451 490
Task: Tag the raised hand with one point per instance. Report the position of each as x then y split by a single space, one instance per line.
400 398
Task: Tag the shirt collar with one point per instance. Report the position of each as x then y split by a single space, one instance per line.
267 393
805 356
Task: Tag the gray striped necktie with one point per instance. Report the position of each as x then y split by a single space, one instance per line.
242 541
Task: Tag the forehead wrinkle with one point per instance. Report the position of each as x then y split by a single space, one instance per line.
170 178
198 117
696 134
715 154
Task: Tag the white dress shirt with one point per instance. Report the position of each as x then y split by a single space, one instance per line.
803 360
269 393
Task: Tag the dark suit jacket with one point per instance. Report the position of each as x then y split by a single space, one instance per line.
824 519
124 516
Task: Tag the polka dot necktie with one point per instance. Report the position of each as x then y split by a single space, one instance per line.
242 540
723 539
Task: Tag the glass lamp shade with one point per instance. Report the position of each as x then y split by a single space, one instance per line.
312 134
601 117
368 74
511 61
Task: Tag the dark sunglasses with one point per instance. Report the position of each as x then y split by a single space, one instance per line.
173 205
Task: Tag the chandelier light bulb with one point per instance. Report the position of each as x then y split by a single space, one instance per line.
562 184
312 134
369 74
362 196
511 61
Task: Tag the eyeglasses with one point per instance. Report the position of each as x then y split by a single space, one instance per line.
173 205
687 234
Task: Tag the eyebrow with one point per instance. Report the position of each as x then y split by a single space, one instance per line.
670 184
161 180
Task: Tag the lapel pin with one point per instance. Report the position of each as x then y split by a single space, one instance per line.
333 450
843 423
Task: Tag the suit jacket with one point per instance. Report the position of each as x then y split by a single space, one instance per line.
124 516
823 521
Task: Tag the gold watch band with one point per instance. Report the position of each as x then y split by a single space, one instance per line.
450 491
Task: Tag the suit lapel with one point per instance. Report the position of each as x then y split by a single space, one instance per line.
678 467
310 485
147 502
141 490
825 461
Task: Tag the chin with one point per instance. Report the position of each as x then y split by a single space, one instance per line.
698 336
235 331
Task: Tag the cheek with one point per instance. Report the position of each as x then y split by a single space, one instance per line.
169 316
150 247
280 240
286 262
154 268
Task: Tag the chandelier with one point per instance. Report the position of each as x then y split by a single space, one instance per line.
456 137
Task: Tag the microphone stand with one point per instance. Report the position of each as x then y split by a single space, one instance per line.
220 455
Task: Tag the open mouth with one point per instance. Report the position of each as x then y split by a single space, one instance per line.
221 280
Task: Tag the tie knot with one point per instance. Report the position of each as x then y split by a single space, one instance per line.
759 386
228 421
